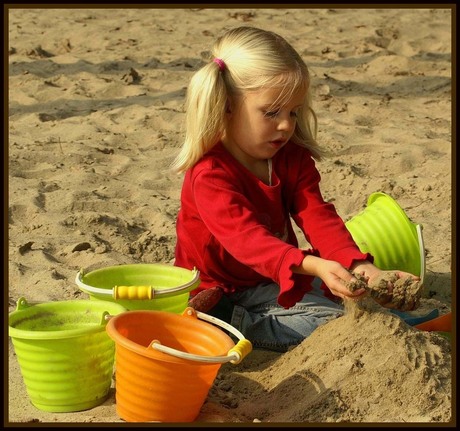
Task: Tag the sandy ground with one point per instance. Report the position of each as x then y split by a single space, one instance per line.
95 119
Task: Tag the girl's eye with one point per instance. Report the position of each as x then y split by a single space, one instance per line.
273 114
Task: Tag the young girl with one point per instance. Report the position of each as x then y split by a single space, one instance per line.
249 162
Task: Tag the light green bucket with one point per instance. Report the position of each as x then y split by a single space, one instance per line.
141 286
64 353
384 230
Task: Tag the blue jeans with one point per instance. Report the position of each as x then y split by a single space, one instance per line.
259 317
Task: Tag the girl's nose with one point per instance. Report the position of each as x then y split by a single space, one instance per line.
286 123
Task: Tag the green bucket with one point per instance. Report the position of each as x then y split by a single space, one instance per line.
141 286
384 230
65 356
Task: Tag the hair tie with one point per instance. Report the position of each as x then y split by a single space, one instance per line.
220 63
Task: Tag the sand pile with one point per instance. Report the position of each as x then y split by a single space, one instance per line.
367 366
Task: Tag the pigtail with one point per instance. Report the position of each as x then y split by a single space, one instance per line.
205 115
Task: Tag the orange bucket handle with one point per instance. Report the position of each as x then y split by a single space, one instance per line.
235 355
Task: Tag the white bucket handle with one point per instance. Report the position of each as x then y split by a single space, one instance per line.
235 355
422 253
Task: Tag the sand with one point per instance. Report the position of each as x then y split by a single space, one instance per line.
96 117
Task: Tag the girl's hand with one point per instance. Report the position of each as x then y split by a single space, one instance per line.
373 273
337 278
333 274
391 289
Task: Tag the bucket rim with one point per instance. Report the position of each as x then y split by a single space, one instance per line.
139 292
150 351
25 309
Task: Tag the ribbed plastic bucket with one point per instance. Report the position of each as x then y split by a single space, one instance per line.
384 230
166 363
65 355
141 286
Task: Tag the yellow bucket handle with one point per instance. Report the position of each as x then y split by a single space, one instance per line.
235 355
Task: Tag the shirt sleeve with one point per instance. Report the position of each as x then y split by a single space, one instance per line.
319 221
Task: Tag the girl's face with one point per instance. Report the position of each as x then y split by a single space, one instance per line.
257 127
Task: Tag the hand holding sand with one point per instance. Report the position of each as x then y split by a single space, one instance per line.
391 289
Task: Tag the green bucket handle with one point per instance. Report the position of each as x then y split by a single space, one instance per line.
136 292
22 304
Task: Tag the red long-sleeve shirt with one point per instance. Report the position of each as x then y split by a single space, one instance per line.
237 231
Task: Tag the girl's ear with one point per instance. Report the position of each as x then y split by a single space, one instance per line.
230 104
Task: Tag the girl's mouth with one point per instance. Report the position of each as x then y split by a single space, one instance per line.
277 143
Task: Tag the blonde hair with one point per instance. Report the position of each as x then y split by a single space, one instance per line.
252 59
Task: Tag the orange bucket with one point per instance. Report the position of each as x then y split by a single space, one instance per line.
442 323
165 363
